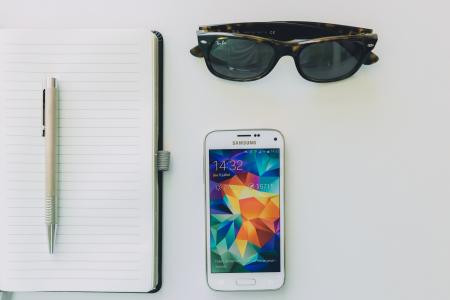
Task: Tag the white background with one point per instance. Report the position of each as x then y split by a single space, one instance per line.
367 159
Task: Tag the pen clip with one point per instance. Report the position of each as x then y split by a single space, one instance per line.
43 112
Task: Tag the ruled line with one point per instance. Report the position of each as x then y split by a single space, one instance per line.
72 44
70 53
76 208
73 243
73 252
70 72
78 234
72 278
79 216
70 63
60 269
71 100
77 225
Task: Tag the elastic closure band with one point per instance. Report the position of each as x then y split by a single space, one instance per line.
163 160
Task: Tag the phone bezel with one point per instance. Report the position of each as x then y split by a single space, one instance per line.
223 139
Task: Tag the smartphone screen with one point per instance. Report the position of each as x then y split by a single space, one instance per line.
244 202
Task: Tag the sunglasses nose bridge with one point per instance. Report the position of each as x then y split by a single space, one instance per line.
288 50
283 50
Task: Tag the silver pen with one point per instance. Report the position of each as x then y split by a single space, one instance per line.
50 133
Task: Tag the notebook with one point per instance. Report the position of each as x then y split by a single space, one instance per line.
110 90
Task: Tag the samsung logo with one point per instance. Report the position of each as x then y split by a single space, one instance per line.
235 143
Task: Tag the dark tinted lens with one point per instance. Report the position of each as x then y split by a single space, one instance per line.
329 61
239 58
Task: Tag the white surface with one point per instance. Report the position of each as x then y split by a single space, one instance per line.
368 168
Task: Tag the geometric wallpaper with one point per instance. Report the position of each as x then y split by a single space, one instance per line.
244 210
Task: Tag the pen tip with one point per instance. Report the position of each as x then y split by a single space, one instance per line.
51 233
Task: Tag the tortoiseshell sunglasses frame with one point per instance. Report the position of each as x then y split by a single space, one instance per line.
287 39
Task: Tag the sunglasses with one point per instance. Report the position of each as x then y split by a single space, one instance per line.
249 51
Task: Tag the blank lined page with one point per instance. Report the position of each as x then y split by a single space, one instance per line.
104 238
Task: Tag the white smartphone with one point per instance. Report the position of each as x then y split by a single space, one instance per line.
244 189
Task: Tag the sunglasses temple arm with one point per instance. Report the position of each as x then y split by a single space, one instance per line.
197 51
371 59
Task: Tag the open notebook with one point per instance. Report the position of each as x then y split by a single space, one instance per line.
109 84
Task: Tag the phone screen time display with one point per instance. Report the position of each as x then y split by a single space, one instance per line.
244 192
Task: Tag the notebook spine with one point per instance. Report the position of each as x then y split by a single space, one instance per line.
160 147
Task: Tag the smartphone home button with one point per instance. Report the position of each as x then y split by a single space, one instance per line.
246 281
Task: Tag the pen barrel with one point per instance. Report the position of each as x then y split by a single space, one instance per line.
51 155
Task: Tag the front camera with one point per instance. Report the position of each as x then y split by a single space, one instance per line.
275 139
